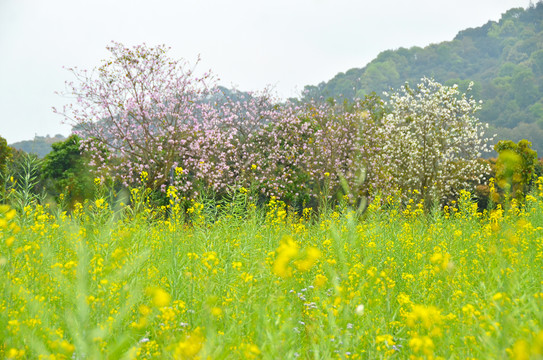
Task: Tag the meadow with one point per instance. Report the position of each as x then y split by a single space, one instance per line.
233 280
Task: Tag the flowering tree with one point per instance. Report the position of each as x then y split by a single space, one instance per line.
434 140
337 148
232 143
137 111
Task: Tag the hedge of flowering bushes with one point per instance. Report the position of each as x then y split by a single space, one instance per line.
144 112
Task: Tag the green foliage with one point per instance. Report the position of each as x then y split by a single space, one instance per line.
65 168
523 130
25 187
5 154
5 157
515 167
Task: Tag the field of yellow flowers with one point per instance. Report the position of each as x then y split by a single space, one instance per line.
252 283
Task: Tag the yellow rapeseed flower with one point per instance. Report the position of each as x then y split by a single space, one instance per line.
422 344
250 351
312 255
144 176
320 280
520 351
10 214
287 250
427 316
216 311
190 346
160 297
9 241
66 347
440 260
15 354
99 203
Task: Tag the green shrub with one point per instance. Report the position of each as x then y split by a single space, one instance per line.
515 167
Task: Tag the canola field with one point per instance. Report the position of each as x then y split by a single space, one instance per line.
244 282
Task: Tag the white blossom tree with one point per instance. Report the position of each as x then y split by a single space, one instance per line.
434 141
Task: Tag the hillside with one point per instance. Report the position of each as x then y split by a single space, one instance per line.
504 59
41 145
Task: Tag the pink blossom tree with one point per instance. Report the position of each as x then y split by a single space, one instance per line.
139 111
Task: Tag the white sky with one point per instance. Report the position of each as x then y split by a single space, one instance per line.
248 44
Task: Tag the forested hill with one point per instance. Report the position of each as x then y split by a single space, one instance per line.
504 59
41 145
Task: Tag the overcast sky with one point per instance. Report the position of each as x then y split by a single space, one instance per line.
248 44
